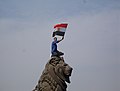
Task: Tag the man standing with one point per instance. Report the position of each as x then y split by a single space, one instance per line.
54 50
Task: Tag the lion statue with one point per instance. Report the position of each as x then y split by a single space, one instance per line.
54 76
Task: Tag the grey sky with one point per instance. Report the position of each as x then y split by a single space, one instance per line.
91 44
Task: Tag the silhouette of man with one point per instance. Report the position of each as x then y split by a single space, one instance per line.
54 50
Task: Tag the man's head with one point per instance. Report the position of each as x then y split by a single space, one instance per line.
55 38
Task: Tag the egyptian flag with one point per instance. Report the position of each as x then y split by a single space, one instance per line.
60 29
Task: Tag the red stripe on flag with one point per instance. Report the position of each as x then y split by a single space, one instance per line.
61 25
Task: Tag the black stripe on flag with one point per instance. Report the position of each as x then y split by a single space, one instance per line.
58 33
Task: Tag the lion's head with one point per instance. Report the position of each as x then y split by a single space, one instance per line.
54 76
62 69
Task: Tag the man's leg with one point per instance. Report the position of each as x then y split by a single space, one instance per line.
54 54
60 53
57 53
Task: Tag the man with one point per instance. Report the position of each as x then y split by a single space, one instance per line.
54 50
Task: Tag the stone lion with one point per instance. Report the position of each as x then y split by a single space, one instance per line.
54 76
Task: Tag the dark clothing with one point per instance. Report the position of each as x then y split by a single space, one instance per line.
54 50
54 47
57 53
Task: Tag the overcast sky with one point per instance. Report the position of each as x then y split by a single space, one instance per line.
91 44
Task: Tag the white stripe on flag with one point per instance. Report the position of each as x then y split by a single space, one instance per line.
60 29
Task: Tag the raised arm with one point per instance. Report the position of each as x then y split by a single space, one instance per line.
60 40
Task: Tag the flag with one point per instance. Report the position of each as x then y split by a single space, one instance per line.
60 29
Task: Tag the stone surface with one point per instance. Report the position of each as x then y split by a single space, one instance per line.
54 76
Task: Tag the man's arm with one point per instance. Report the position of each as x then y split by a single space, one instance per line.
60 40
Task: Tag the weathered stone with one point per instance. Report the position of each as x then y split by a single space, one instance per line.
54 76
